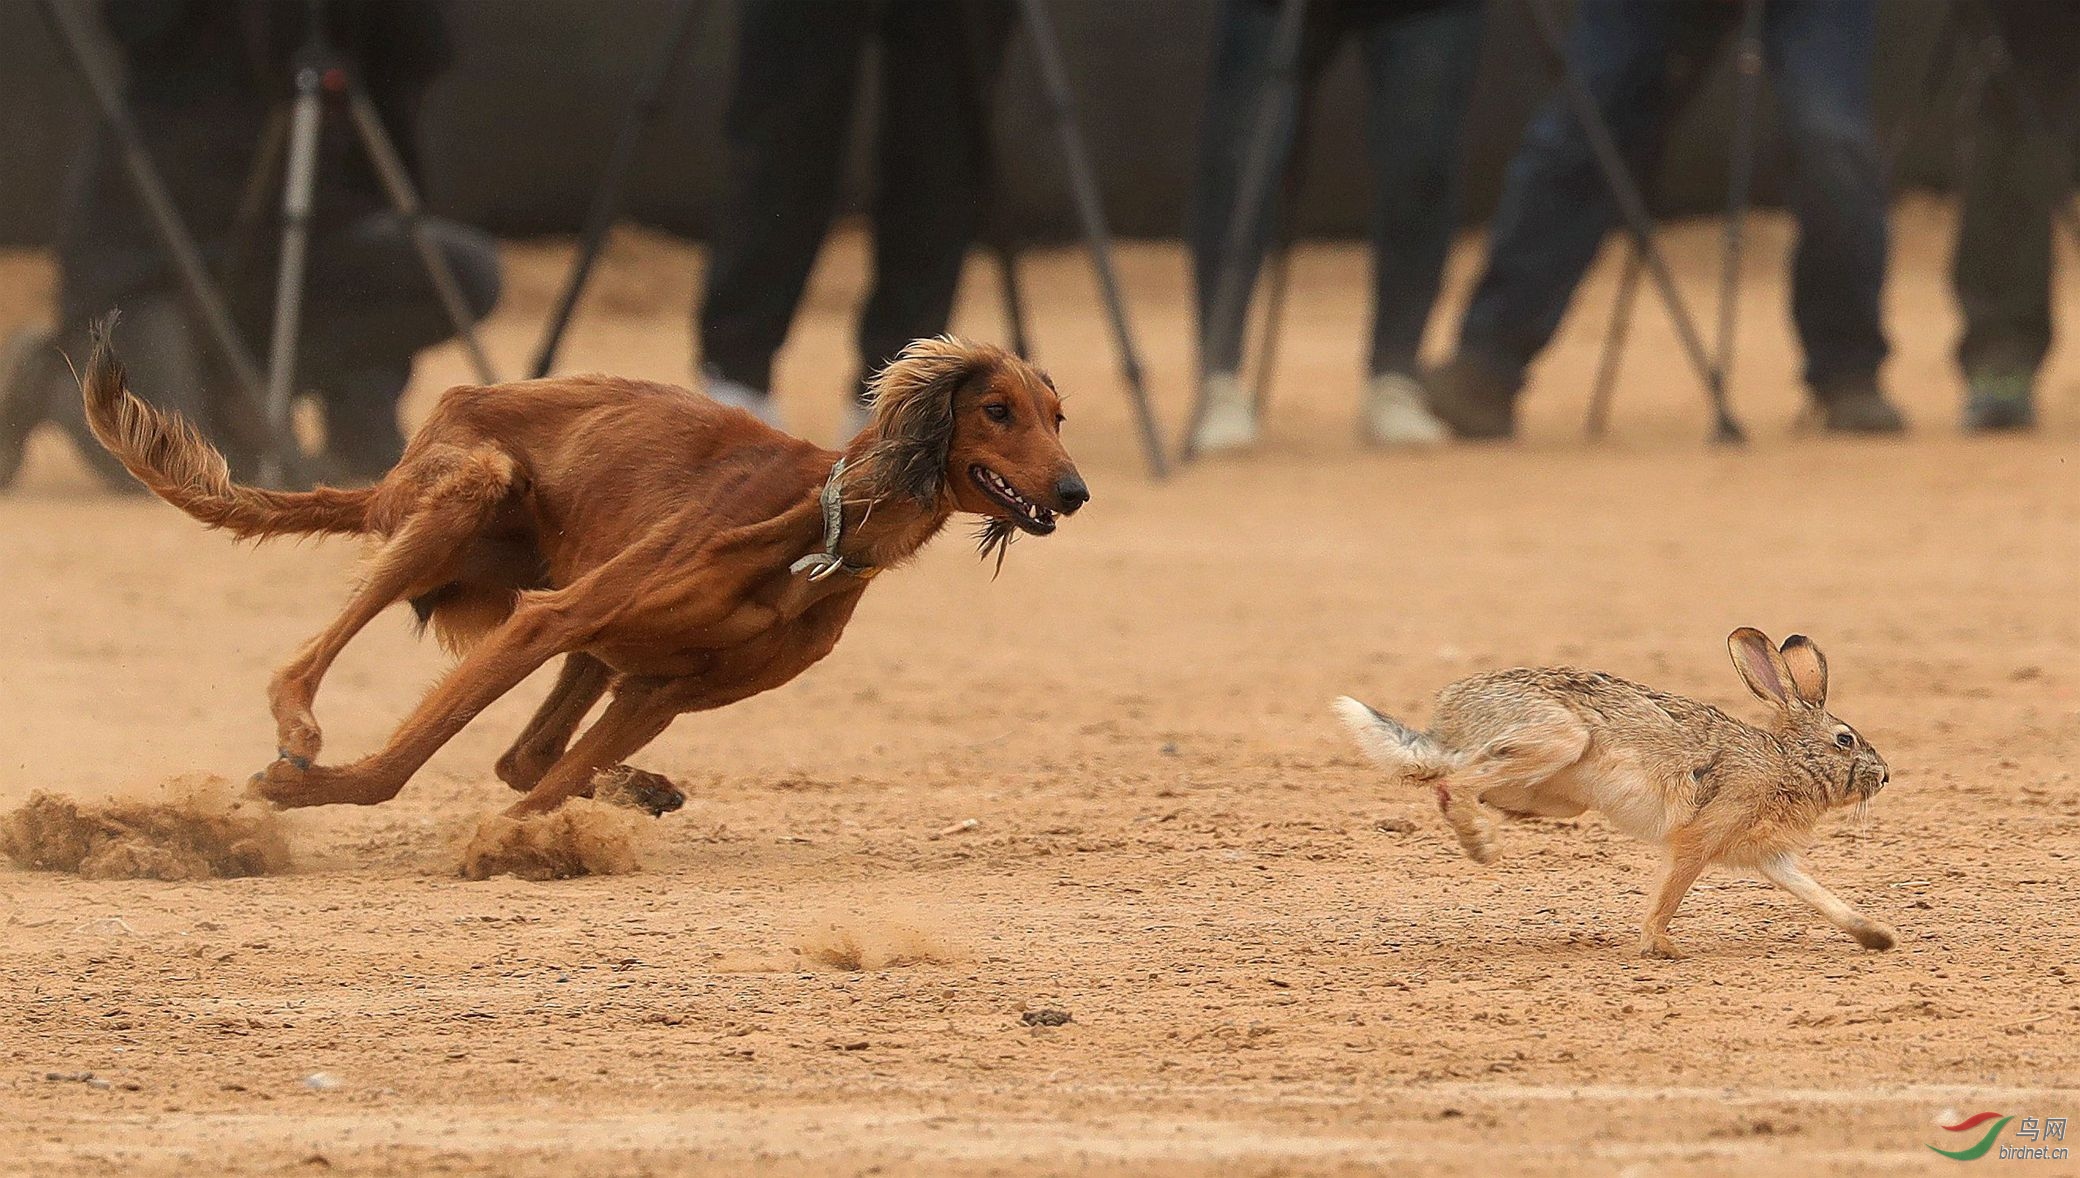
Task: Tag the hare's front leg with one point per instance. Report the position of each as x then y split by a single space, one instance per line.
1786 872
1688 854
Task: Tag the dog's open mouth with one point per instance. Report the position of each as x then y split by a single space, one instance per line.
1028 515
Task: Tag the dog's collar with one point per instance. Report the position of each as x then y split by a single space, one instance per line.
828 563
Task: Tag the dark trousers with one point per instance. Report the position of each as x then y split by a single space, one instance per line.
1556 209
2018 169
1419 58
368 309
368 304
790 113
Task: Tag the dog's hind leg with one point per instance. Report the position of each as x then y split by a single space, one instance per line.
417 558
579 685
544 625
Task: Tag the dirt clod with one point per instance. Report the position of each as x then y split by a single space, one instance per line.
200 828
581 837
856 941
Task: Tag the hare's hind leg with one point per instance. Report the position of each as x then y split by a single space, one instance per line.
1786 872
1506 773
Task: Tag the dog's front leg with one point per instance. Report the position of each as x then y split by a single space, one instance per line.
544 626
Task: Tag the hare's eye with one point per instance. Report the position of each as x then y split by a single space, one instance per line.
1845 740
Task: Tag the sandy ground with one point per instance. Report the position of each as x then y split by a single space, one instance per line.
1171 839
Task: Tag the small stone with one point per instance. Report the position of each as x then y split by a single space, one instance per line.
1395 826
1045 1017
321 1081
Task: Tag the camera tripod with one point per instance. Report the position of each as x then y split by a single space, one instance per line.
259 403
1278 106
648 103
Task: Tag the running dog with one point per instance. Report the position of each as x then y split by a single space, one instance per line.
679 554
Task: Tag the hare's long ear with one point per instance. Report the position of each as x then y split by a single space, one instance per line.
1808 670
1760 665
912 426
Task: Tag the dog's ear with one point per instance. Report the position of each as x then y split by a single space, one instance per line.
912 427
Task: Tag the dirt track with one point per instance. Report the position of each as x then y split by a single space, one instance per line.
1173 841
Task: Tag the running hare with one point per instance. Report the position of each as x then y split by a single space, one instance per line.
1553 742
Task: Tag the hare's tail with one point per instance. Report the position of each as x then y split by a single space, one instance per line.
1415 758
1406 754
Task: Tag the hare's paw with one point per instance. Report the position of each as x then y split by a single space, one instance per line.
1872 935
1479 845
1659 946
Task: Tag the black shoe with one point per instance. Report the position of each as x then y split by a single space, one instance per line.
1858 407
2001 400
1477 400
26 375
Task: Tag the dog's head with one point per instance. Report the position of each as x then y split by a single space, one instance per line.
973 428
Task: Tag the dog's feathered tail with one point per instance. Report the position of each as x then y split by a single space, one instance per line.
1406 754
178 465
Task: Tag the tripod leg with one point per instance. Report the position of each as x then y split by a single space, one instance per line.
244 410
1014 298
1613 345
1748 61
1625 192
1228 318
247 226
297 190
606 199
1278 271
1279 265
404 197
1083 182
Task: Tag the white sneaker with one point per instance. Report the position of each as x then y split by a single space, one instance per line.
756 402
1396 413
1229 420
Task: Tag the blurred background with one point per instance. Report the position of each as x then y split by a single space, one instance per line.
564 71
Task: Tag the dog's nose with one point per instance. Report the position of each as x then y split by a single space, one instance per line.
1071 491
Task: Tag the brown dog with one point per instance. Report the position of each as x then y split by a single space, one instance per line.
679 554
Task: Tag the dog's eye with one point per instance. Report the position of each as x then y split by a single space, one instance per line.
1845 740
997 412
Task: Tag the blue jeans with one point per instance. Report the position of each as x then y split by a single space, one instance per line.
1555 207
1419 58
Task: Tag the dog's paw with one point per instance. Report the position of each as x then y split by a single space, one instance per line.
299 739
626 785
284 783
